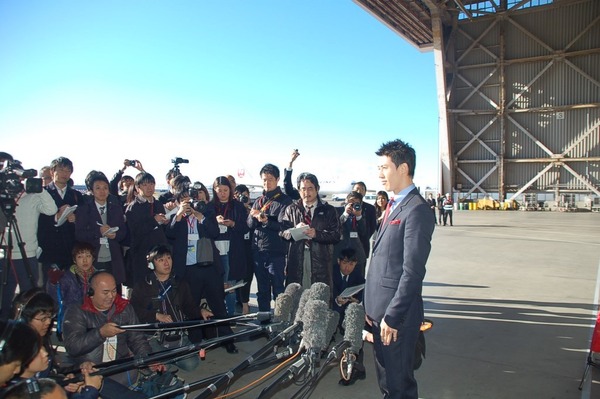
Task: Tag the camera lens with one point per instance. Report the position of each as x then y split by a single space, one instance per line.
356 206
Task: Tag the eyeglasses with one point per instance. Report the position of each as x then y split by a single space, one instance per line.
46 318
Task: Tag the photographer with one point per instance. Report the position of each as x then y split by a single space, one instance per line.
192 231
145 221
27 209
119 184
354 230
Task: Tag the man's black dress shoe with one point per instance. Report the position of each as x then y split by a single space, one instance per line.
356 375
231 348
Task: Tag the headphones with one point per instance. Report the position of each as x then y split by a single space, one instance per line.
90 290
7 333
22 306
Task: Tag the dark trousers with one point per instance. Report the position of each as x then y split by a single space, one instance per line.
440 216
447 214
270 276
394 363
16 274
206 282
243 293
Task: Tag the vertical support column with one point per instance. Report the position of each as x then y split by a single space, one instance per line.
502 114
445 171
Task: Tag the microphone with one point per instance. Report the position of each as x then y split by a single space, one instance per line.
301 306
333 319
353 324
283 308
320 291
314 336
294 290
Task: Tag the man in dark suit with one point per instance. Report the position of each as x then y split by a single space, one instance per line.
393 301
369 215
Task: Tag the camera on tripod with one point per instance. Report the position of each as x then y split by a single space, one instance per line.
176 162
11 180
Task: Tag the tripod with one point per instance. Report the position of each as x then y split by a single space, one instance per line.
6 243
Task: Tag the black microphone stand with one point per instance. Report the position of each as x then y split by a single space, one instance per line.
227 377
120 365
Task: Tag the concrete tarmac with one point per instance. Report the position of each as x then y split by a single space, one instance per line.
513 297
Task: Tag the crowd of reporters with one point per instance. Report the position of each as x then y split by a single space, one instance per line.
173 255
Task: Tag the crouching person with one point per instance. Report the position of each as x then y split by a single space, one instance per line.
91 333
166 298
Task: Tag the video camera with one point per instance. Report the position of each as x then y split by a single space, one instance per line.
176 162
11 181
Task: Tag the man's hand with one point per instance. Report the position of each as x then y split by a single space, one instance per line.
92 380
388 334
206 314
110 330
164 318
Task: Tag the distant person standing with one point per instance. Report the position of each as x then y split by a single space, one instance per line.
440 206
432 204
448 208
393 301
369 215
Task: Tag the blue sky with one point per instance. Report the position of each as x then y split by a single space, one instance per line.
229 85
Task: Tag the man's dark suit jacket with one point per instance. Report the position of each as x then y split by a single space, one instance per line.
400 251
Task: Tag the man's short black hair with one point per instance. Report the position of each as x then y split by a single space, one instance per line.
310 177
348 254
399 152
362 184
80 247
144 177
270 169
61 161
18 342
94 176
354 195
31 303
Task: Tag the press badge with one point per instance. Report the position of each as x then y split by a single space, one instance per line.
104 241
222 229
353 234
193 237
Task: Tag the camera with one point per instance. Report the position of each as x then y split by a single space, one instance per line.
179 160
244 199
132 162
356 206
199 206
11 177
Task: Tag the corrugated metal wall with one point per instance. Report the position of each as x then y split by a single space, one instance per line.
546 62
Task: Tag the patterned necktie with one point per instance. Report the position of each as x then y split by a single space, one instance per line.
102 209
307 217
388 210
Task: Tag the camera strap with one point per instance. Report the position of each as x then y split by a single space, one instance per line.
268 204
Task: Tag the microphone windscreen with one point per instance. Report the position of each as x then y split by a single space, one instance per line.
295 291
320 291
283 308
301 305
315 315
333 318
354 321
